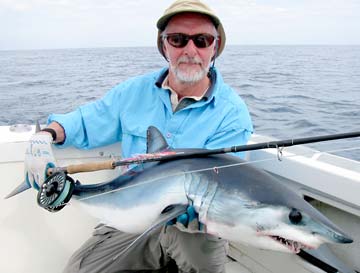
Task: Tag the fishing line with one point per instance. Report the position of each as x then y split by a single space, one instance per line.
287 154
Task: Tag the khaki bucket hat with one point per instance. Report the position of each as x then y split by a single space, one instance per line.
181 6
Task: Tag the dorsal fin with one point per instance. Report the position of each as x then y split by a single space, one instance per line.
155 141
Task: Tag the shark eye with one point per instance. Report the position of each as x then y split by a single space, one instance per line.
295 216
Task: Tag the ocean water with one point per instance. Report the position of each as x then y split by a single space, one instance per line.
291 91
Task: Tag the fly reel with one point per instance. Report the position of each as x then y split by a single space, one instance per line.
56 192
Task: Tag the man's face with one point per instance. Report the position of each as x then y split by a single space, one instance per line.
189 64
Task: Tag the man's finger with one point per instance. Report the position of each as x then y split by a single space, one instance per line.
183 219
192 214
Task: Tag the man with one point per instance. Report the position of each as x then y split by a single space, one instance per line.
189 103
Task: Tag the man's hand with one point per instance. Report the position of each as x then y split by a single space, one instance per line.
188 221
38 158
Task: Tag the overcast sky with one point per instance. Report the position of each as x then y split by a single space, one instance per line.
35 24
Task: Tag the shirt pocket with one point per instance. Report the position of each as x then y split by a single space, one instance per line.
134 138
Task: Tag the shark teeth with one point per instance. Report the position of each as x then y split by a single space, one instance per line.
293 246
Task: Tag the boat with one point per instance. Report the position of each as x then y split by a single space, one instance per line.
34 240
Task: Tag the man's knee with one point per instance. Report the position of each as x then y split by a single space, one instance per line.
195 252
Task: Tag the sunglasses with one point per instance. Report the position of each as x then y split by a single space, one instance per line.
180 40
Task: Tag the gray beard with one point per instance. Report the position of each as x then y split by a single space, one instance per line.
189 78
185 77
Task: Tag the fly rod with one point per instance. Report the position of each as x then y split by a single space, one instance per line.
174 155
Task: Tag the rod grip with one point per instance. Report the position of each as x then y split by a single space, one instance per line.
90 167
84 167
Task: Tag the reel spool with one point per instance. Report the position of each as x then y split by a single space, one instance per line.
56 192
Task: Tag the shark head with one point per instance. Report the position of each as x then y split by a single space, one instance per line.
252 207
283 229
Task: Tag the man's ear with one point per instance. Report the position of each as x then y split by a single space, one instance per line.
217 45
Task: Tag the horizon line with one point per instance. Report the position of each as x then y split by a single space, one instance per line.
154 46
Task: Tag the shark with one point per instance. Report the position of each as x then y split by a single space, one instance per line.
234 200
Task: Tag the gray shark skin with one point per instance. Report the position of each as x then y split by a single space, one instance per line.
234 201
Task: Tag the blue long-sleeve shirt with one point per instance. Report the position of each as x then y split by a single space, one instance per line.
220 119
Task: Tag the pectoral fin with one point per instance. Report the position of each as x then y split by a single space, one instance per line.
168 214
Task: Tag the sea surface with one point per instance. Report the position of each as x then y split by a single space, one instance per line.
291 91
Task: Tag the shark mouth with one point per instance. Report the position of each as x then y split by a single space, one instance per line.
293 246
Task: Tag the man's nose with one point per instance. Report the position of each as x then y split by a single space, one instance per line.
190 48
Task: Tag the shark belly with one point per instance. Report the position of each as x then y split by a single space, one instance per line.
137 207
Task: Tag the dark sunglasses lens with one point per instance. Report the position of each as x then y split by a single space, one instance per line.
203 40
180 40
177 40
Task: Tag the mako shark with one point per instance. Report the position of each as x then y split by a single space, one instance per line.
235 201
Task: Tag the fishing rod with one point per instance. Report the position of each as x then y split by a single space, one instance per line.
174 155
44 202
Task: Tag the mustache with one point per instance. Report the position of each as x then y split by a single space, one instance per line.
190 60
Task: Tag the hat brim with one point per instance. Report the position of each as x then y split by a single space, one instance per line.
164 20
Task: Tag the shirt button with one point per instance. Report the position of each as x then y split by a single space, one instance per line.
168 135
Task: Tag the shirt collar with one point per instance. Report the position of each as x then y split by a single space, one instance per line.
209 93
